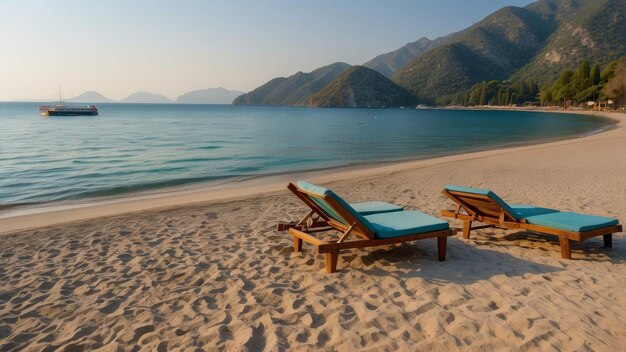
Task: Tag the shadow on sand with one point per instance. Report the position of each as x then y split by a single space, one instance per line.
465 263
592 249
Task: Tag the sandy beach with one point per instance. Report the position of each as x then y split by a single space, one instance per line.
208 271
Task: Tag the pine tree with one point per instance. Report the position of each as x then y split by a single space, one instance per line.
583 70
545 95
595 74
523 89
483 93
578 76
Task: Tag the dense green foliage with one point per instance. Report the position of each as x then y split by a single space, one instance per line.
360 86
586 84
615 85
495 93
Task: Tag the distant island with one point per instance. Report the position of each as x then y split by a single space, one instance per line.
145 97
203 96
90 97
209 96
510 56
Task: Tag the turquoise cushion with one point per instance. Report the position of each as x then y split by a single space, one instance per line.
311 188
572 221
321 191
369 208
351 210
402 223
488 193
525 210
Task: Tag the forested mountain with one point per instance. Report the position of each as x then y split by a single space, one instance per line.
294 90
492 49
534 43
391 62
594 31
360 86
514 46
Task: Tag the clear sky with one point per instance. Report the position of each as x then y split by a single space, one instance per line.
118 47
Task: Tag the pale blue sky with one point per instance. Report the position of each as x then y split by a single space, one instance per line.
171 47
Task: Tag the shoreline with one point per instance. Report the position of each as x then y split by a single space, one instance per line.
213 183
53 214
218 275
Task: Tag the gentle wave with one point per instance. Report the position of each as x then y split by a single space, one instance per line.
138 148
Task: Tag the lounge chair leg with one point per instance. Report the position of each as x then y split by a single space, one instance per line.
331 262
467 227
441 247
283 226
608 240
566 253
297 244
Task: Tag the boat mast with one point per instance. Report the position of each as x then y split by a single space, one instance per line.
60 99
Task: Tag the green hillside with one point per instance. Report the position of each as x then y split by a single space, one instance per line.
534 43
391 62
293 90
596 32
360 86
493 48
514 46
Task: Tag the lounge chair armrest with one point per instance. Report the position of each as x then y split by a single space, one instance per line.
306 237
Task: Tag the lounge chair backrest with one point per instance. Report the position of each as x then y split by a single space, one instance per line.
481 201
335 207
310 189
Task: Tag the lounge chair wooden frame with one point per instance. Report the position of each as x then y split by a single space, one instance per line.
317 221
483 209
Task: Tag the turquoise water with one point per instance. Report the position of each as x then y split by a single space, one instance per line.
132 147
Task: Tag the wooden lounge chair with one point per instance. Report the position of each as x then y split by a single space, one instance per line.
484 206
329 212
318 216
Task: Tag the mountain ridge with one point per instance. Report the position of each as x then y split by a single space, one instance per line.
389 63
146 98
360 86
90 96
531 44
294 90
491 49
218 95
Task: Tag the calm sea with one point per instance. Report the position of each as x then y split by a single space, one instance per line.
140 147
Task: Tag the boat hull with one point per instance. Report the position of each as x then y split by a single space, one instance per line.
68 110
70 113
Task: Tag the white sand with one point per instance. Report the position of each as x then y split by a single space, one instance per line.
215 274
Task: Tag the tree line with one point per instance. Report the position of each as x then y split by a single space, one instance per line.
586 83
